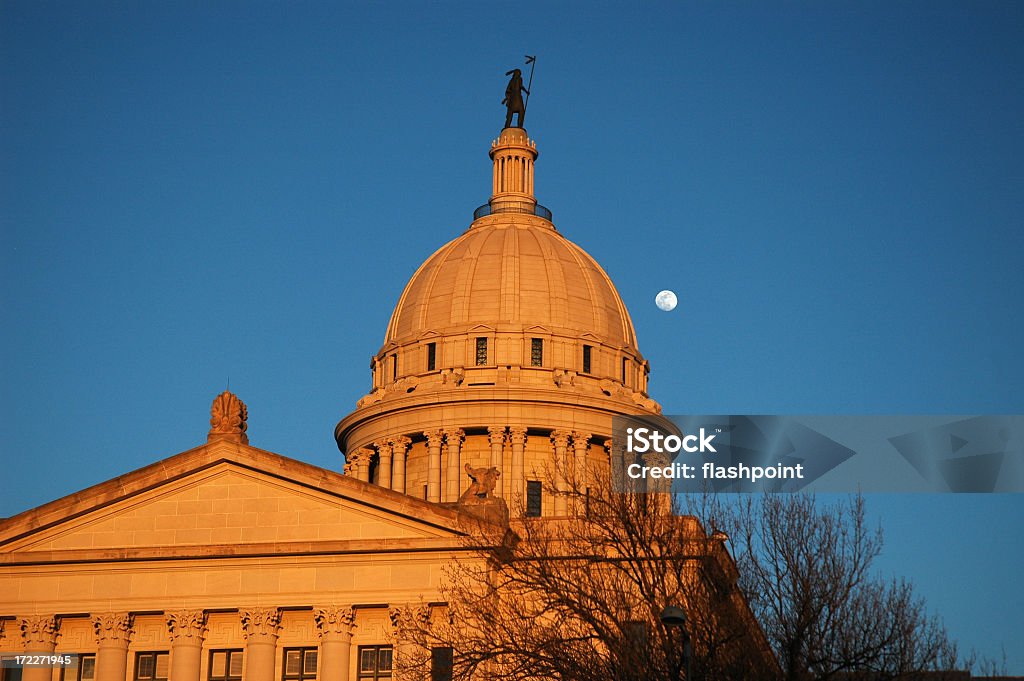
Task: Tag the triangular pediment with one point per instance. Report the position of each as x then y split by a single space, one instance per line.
589 336
481 327
428 335
224 497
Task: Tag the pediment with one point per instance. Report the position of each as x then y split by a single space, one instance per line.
428 335
231 496
482 327
538 329
589 336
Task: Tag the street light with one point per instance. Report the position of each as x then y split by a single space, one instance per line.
675 618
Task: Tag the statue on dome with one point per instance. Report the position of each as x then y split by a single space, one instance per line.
514 98
514 102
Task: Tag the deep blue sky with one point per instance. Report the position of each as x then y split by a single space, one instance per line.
195 191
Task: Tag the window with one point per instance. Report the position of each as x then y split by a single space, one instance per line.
375 662
299 664
537 352
586 358
82 668
152 666
225 665
441 664
9 671
431 356
625 365
394 367
481 351
533 491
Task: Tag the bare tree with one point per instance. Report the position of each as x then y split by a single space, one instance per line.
806 570
581 599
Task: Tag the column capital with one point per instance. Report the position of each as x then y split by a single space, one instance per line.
113 628
39 631
409 617
517 435
434 437
260 623
454 435
335 621
400 442
496 435
580 439
383 445
186 626
560 438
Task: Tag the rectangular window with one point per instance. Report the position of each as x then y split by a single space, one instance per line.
431 356
299 664
152 666
82 668
9 671
375 662
533 491
394 367
441 664
625 365
587 350
225 665
537 352
481 351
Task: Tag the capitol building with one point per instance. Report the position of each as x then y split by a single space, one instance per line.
508 351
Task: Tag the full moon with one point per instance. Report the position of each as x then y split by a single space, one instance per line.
666 300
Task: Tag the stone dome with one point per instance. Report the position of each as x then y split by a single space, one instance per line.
512 272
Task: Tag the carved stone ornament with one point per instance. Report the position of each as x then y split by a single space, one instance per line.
228 417
479 499
517 435
260 622
113 628
496 435
186 626
484 482
39 631
334 620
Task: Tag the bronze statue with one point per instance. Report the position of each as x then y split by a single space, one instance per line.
514 98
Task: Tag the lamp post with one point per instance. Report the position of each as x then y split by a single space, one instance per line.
674 618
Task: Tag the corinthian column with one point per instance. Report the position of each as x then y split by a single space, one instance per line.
335 626
186 629
113 631
39 634
453 437
434 439
517 436
384 452
399 446
581 475
260 626
361 458
560 438
496 437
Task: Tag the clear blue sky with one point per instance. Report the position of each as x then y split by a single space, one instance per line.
192 191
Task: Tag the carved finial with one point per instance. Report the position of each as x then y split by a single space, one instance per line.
228 419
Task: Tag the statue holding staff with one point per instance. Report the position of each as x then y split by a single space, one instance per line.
514 102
